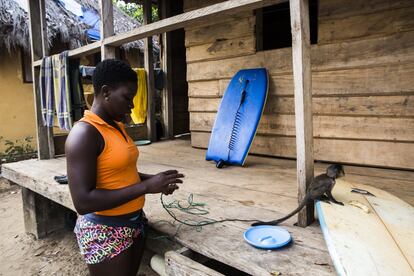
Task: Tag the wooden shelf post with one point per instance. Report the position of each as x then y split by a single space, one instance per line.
149 68
167 103
39 49
299 16
107 28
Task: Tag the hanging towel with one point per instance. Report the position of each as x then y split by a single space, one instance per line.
139 113
158 79
61 89
87 71
46 91
77 97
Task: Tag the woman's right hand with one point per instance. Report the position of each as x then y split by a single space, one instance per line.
164 182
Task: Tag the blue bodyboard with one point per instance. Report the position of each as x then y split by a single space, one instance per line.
238 117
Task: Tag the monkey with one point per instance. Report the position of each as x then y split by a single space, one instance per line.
320 189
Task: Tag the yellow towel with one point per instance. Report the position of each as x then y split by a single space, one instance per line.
139 112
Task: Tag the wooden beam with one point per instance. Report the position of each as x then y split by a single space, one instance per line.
299 16
149 68
167 103
89 49
177 263
41 215
107 28
39 49
199 16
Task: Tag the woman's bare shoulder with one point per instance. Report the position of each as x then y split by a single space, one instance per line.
83 137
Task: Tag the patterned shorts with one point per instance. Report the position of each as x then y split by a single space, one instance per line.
101 238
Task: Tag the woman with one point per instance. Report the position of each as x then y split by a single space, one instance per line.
107 189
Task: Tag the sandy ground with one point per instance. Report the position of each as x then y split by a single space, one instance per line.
22 254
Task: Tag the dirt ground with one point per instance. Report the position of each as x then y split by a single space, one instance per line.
22 254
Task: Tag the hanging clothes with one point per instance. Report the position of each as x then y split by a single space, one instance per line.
61 89
139 112
77 97
47 91
158 79
87 71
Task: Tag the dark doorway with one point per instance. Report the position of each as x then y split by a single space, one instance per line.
179 86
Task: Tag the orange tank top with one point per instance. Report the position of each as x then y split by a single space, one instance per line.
117 163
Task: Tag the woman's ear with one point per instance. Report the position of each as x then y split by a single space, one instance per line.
105 91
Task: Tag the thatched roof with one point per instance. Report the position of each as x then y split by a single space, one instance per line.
61 24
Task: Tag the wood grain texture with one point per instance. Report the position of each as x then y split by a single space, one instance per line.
371 102
196 4
281 172
192 18
264 188
239 25
302 78
387 79
344 8
39 179
390 106
177 264
222 48
366 26
393 106
149 69
86 50
166 65
374 153
208 89
221 242
379 80
392 49
253 177
42 216
107 27
363 128
39 49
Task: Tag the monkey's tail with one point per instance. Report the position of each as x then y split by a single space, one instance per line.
277 221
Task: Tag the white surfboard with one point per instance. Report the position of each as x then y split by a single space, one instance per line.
374 235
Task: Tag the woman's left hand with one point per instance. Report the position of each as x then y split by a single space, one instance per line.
170 189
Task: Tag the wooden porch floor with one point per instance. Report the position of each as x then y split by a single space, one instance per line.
264 189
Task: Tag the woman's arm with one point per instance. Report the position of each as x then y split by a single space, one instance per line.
145 176
82 151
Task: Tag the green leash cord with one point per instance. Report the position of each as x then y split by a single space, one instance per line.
193 208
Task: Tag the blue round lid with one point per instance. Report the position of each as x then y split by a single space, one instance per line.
267 236
142 142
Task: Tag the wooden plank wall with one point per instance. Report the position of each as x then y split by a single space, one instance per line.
362 81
